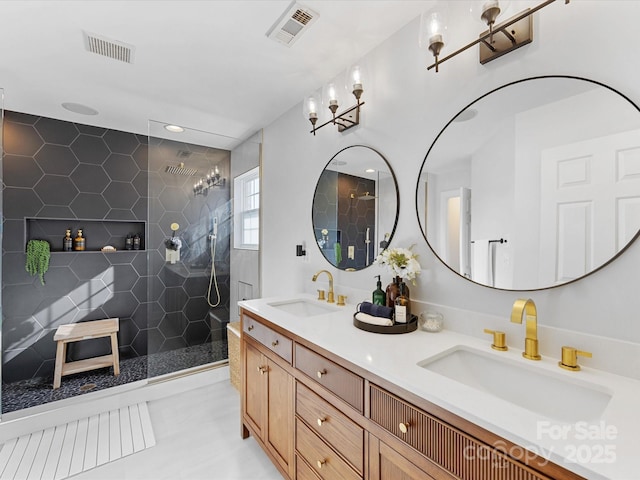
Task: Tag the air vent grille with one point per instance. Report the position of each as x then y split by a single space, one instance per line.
292 24
302 17
109 48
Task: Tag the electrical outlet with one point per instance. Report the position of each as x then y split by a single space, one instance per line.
351 253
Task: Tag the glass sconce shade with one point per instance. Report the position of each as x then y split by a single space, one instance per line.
356 75
310 108
487 11
433 25
331 97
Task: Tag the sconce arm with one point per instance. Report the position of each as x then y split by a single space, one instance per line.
341 117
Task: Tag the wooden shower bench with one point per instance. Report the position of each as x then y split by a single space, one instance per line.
75 332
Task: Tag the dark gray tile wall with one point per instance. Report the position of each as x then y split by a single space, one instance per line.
57 169
344 217
179 311
61 170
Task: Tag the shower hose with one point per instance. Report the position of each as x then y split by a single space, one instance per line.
213 279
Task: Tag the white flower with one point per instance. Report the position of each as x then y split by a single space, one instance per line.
401 262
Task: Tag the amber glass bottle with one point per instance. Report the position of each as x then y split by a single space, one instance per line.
79 243
393 290
402 306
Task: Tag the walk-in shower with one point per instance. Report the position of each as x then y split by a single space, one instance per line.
171 291
188 304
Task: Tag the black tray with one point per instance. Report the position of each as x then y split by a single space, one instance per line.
396 328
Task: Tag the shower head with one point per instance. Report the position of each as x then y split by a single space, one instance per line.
180 169
366 196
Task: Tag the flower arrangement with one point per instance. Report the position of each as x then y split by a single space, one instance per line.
401 262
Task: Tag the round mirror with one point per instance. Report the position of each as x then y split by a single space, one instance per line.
355 207
533 185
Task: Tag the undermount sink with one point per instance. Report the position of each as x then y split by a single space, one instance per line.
539 391
303 307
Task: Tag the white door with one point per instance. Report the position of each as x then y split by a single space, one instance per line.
465 232
590 205
455 229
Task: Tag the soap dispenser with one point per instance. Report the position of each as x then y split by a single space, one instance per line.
379 297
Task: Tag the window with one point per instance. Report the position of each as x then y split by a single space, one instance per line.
247 210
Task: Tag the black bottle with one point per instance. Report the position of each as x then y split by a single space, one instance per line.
67 242
136 242
128 243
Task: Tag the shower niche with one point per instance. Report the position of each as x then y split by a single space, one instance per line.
97 233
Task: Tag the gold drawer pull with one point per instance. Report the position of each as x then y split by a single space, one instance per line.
322 372
321 421
320 463
404 427
262 370
275 343
249 328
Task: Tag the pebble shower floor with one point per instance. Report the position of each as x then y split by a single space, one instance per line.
38 391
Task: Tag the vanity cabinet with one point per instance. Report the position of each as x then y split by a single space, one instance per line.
267 400
326 438
335 378
451 449
387 464
320 417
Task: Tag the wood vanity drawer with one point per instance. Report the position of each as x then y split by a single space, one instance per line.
277 343
304 471
455 451
326 463
340 381
332 425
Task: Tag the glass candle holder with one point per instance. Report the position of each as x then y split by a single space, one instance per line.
431 321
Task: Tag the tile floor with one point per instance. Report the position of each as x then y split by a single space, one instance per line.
198 438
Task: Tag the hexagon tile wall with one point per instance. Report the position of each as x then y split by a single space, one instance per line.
63 170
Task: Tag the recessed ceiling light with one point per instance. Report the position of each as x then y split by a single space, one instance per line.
174 128
466 115
79 108
370 170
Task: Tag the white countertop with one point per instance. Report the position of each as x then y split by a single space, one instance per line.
596 449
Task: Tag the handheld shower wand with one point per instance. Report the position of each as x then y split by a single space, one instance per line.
213 280
214 229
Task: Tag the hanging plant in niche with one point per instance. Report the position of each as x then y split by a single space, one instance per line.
38 255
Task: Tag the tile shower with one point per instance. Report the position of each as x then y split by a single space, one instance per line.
59 175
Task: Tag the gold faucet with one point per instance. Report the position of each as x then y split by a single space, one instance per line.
520 307
330 298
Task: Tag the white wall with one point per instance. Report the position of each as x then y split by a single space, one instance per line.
244 281
406 107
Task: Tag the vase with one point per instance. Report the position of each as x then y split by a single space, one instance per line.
393 290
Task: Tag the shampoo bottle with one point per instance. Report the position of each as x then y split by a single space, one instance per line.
67 242
379 297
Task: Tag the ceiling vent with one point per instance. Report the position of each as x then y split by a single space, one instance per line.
292 24
108 47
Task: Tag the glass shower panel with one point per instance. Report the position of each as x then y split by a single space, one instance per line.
190 223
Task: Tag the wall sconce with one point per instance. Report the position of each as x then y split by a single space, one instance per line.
212 179
331 99
497 41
